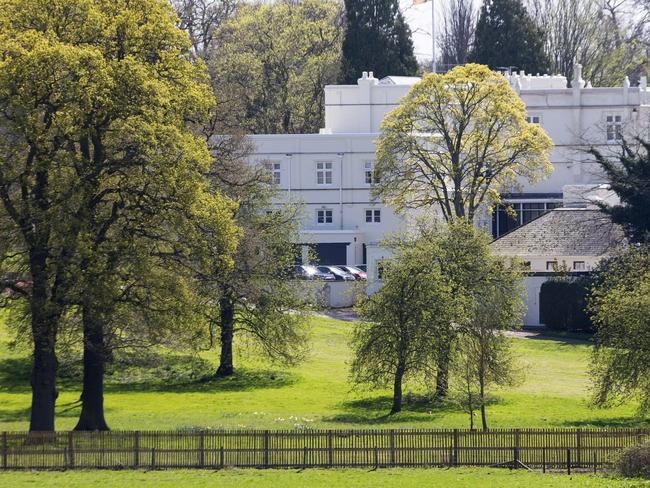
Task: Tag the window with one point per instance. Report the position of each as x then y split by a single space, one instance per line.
324 216
534 119
369 171
274 169
373 216
551 265
509 216
579 266
324 173
614 128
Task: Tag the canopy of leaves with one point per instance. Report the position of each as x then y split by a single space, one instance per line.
456 141
101 172
271 63
377 38
620 308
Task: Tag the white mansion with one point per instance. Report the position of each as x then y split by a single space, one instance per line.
331 172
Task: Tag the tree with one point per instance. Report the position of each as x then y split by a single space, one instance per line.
459 25
456 141
593 34
201 20
483 357
620 307
404 322
95 101
629 178
256 299
507 36
271 64
377 38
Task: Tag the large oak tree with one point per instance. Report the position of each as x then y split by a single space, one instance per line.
95 98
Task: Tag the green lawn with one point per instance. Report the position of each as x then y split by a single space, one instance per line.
314 394
404 478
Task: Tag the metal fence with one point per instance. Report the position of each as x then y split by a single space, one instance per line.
534 448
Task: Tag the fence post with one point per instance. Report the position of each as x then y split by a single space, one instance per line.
5 450
544 459
516 453
376 458
455 447
304 457
153 458
392 447
266 448
578 445
568 461
136 449
595 462
70 450
330 448
202 449
221 458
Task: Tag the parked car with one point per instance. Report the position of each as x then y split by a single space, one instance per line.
309 272
339 274
358 273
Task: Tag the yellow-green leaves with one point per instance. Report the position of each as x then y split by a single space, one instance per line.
271 64
456 141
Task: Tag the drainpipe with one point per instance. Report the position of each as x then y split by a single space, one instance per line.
341 190
289 157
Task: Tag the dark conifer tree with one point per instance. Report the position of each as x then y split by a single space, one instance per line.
377 39
629 178
506 36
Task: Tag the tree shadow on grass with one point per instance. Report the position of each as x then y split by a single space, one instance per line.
242 380
148 372
615 422
375 410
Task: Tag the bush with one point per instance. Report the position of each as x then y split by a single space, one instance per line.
635 462
562 305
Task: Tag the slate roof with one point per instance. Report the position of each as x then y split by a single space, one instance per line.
563 232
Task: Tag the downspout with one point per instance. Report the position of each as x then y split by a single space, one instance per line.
341 155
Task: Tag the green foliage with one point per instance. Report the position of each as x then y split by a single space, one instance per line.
443 299
629 177
483 356
456 141
377 38
102 173
255 298
507 36
271 64
563 303
405 321
635 462
620 307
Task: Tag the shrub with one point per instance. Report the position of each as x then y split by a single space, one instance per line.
635 462
562 305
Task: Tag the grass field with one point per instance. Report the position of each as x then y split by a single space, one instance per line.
411 478
314 394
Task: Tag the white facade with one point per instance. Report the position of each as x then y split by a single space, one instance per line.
328 171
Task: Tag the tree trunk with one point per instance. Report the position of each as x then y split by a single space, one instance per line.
227 319
442 377
483 414
397 390
94 361
44 320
